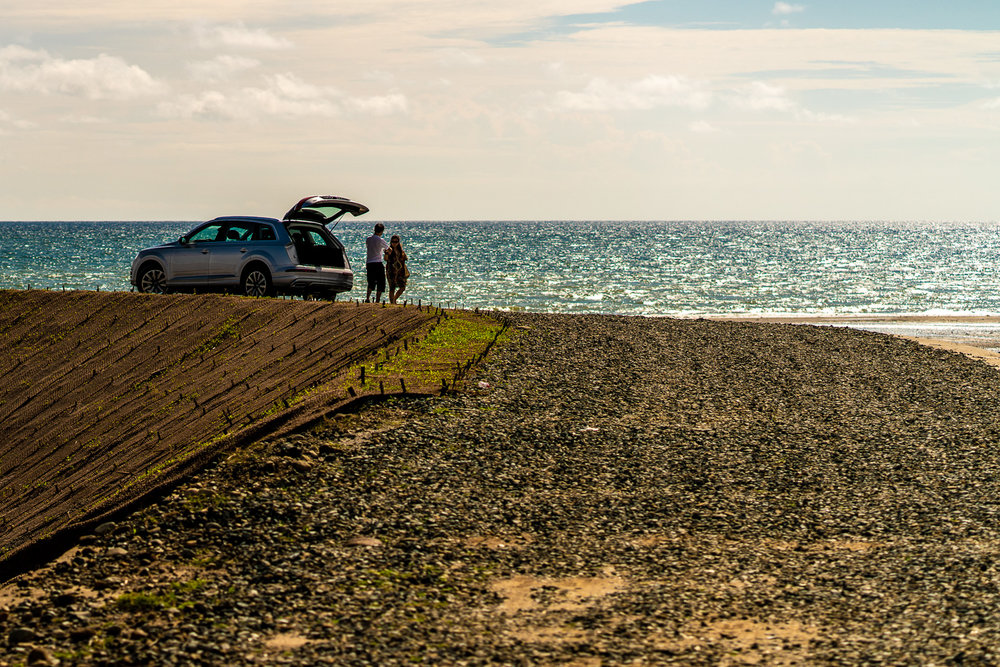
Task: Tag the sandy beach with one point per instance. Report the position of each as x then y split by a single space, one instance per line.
977 336
611 491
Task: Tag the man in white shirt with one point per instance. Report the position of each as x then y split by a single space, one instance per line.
374 267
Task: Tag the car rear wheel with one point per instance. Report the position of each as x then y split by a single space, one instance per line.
257 282
152 280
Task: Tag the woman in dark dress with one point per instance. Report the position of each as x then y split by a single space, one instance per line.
395 269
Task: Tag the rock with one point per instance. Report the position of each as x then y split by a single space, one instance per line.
38 656
65 599
81 635
109 582
292 451
362 541
22 635
104 528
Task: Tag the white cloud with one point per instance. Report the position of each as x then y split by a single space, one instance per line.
379 105
760 96
237 35
78 119
271 102
647 93
390 16
291 87
103 77
283 95
784 9
7 120
208 104
702 127
221 68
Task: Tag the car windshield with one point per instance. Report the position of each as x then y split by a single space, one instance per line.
210 232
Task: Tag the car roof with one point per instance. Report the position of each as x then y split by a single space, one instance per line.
244 218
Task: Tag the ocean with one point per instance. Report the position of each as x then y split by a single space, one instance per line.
631 268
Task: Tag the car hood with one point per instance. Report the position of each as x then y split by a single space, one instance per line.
162 246
325 209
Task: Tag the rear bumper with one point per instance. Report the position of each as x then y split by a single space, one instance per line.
312 280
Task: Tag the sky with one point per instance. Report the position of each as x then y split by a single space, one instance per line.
514 110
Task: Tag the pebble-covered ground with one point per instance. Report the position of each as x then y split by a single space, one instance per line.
609 491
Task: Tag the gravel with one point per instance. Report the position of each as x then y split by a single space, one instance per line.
608 490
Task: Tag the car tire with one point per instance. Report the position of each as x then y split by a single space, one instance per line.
152 280
256 281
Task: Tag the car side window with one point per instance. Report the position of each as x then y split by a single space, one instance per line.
265 233
207 233
238 232
316 238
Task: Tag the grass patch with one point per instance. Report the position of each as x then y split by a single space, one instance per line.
431 360
176 597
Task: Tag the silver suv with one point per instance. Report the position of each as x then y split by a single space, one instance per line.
256 256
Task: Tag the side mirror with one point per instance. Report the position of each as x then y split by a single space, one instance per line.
183 240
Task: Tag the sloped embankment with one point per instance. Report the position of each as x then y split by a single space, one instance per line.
106 397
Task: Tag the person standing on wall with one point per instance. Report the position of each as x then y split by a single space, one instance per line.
376 270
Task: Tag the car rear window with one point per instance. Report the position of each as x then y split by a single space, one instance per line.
315 246
264 233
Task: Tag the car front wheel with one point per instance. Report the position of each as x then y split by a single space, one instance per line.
257 282
152 280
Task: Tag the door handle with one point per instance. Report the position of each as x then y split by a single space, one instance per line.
205 251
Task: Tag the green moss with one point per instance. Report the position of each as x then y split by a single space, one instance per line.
140 602
175 596
229 330
430 360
